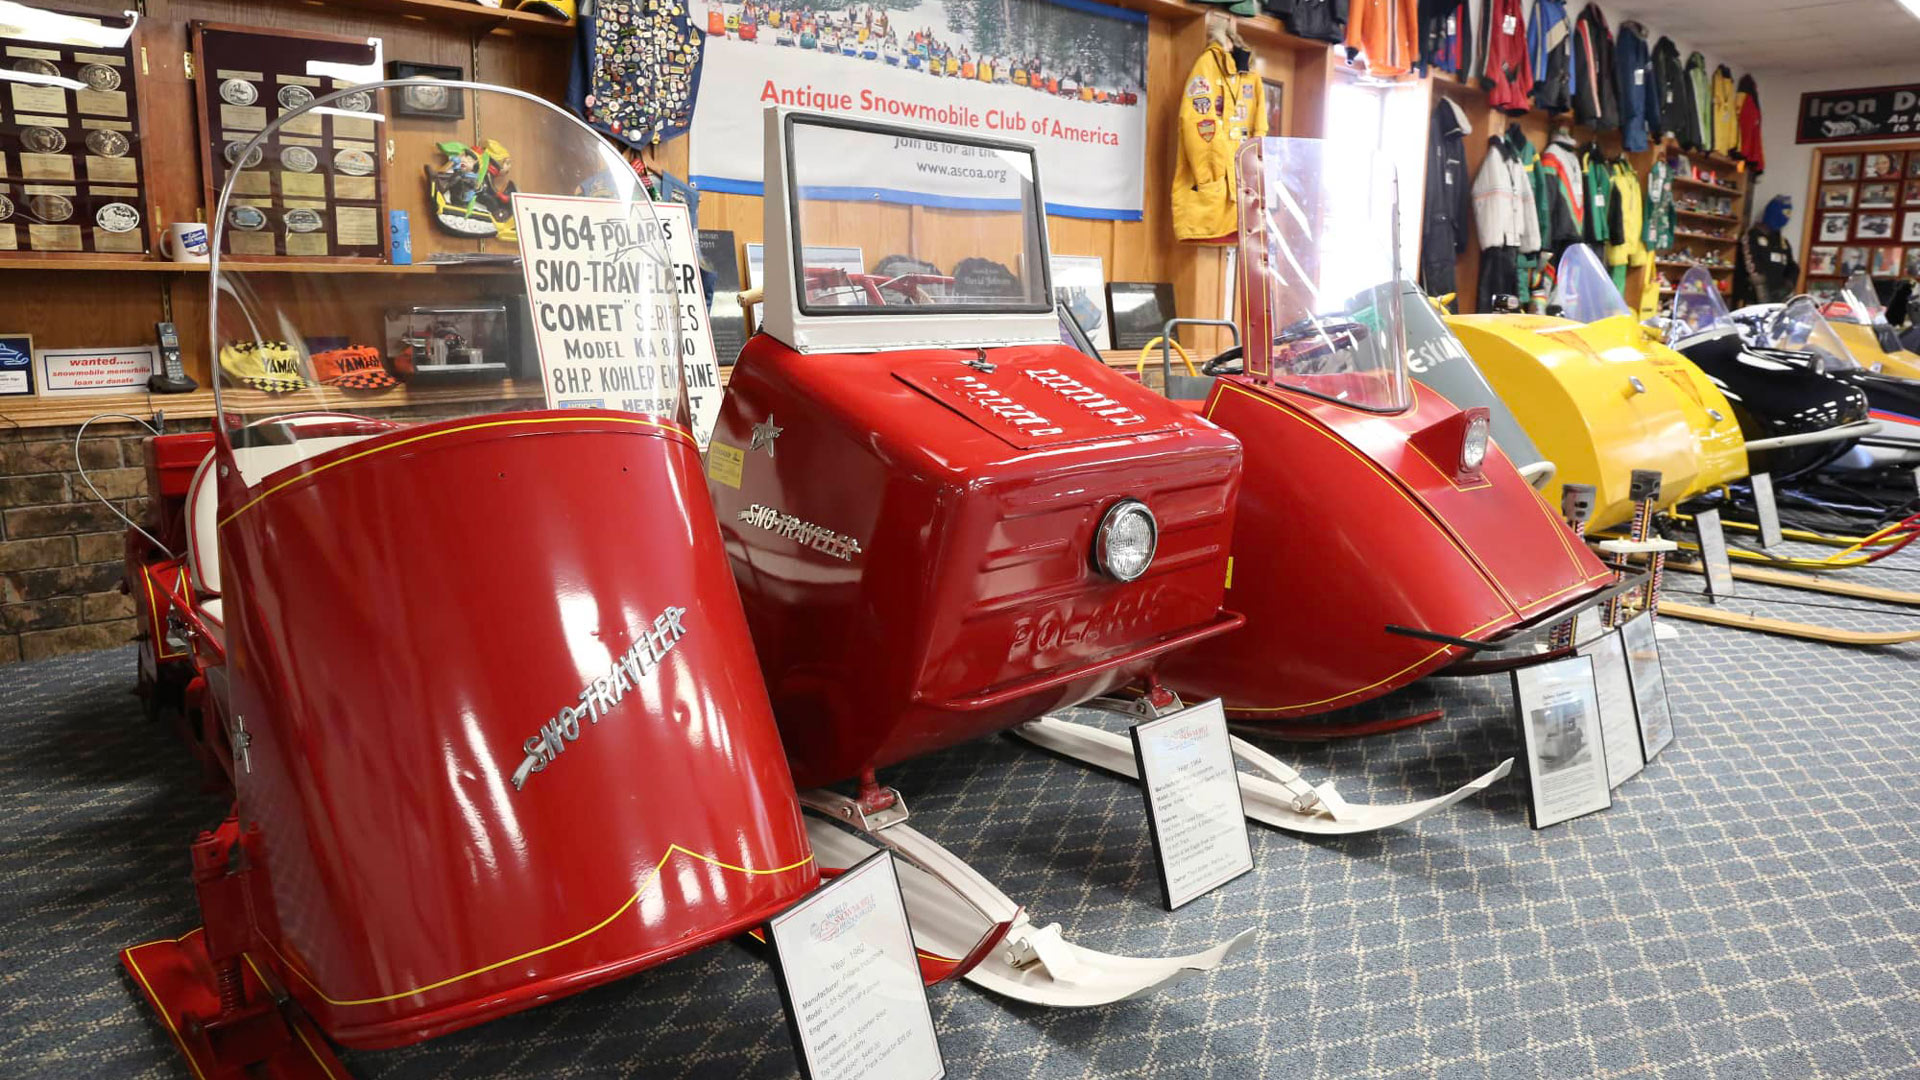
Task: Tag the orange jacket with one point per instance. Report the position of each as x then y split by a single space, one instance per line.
1387 31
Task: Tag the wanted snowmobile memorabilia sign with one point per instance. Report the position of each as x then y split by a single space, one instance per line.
618 314
1879 112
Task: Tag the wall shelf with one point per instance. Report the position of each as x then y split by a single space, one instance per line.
457 13
43 262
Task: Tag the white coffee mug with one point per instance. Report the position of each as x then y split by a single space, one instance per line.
185 242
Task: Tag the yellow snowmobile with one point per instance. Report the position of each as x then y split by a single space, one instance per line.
1861 321
1601 396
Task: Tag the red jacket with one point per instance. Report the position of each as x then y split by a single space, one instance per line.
1749 119
1509 73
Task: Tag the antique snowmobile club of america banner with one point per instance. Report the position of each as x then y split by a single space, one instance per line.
1068 76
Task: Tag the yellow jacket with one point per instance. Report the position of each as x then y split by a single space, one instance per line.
1631 203
1726 116
1219 107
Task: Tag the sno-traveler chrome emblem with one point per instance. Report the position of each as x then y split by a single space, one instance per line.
602 695
805 533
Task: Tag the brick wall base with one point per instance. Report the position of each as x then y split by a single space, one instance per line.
60 550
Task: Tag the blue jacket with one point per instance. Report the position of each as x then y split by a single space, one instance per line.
1550 44
1639 92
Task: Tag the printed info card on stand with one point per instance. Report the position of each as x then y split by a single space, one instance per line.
845 962
1194 810
1560 724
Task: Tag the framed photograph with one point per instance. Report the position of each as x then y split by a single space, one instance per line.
16 365
1880 164
1886 261
1559 714
1853 258
1912 196
432 102
1619 716
1879 195
1080 282
1836 196
1822 259
1138 309
1649 685
1910 231
1276 107
1873 227
1912 268
1840 167
1835 227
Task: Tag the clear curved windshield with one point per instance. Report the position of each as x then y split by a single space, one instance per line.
532 270
1698 307
1860 301
1800 327
916 224
1320 268
1584 290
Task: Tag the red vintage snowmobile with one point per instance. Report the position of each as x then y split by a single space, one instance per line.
1371 502
431 657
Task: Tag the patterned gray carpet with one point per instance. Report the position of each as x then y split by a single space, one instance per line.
1750 906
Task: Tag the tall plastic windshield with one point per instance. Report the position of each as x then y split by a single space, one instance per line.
1320 270
1698 308
375 268
913 223
1860 301
1583 290
1798 326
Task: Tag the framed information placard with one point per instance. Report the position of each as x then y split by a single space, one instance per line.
1559 713
1713 553
71 174
850 979
16 365
1619 716
1194 807
317 188
1649 685
78 372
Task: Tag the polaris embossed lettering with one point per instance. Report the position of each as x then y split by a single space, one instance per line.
1086 397
602 695
1068 625
805 533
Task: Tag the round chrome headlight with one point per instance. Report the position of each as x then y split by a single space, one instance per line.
1473 448
1123 546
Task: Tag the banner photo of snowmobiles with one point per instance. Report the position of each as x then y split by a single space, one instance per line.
944 522
1601 398
1796 414
1354 470
470 190
432 656
1860 320
1798 331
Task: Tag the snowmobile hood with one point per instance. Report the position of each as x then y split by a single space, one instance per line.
1438 361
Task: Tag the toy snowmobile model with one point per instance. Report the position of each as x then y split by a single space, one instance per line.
1797 413
471 194
1861 321
1351 467
1601 399
431 657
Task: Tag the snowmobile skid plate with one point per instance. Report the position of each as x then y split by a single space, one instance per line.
1275 795
963 923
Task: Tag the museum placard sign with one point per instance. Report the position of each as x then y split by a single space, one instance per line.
1194 808
77 372
616 305
1877 112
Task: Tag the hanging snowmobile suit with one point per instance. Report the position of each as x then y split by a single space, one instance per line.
1660 209
1507 218
1220 105
1639 89
1315 20
1446 36
1626 244
1747 117
1596 178
1564 220
1450 200
1726 117
1596 101
1700 94
1678 117
1550 41
1508 73
1386 32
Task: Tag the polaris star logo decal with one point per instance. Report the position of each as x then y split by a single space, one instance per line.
805 533
602 695
763 435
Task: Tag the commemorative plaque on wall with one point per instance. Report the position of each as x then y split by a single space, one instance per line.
71 176
316 189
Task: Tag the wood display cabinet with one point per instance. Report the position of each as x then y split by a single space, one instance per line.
1709 217
101 300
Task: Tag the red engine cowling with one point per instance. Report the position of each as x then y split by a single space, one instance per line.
1351 521
496 714
912 535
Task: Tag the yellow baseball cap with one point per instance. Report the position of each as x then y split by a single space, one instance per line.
272 366
559 9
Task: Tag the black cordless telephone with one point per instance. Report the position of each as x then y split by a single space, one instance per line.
172 378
